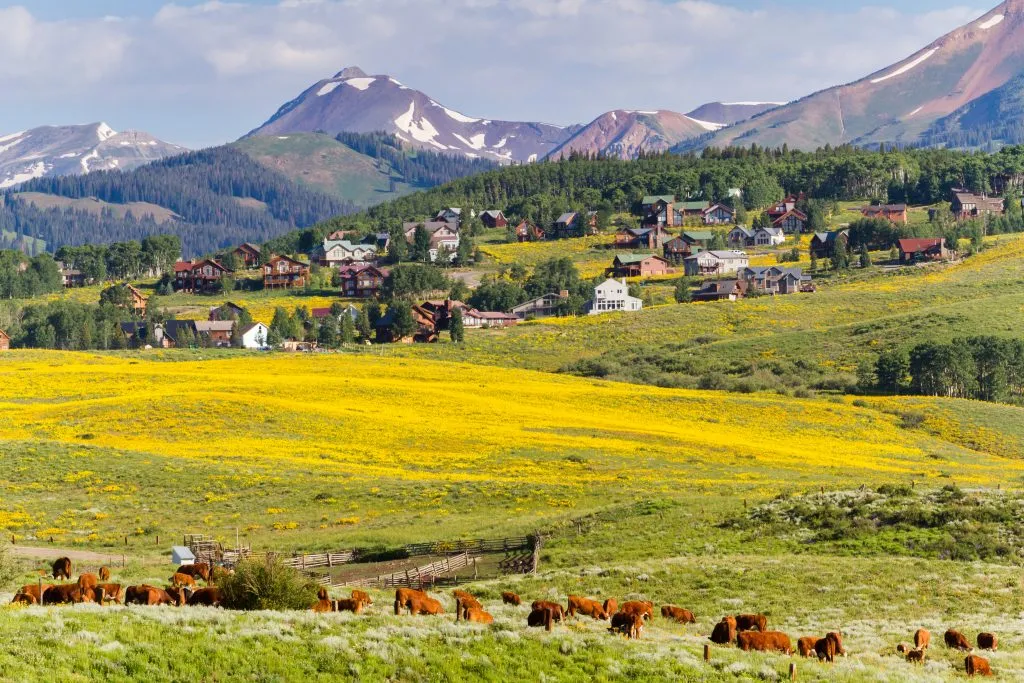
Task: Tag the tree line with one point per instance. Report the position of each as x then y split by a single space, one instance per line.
417 168
155 254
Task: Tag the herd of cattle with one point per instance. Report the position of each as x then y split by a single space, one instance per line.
747 631
97 588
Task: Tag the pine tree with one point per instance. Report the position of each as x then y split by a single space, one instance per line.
456 327
364 327
348 328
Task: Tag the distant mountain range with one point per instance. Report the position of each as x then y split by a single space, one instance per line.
70 150
959 87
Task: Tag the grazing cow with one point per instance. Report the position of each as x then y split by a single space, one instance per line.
179 595
111 591
476 615
629 624
104 574
724 632
86 581
199 570
543 616
916 656
402 596
34 591
424 605
147 595
509 598
764 641
988 641
591 608
183 580
751 622
805 645
361 596
903 648
921 639
467 599
678 614
321 606
557 611
838 637
827 648
66 594
956 640
24 599
977 666
611 606
642 607
206 597
62 569
348 605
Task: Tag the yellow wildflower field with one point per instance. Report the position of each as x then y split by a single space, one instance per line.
358 445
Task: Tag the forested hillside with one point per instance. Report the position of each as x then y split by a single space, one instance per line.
423 169
542 191
221 195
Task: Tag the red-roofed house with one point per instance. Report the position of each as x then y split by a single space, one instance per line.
199 277
894 213
924 249
284 271
793 222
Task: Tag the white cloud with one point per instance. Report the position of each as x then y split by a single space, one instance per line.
209 72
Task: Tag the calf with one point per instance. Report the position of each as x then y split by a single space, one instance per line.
63 594
424 605
362 596
62 568
180 580
956 640
179 595
903 648
348 605
988 641
751 622
610 606
32 590
591 608
678 614
199 570
321 606
805 645
403 595
104 574
724 632
628 624
827 648
542 616
147 595
916 656
977 666
509 598
921 639
557 611
206 597
642 607
476 615
764 641
111 591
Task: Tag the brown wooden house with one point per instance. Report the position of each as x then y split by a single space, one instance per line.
638 265
793 222
284 272
968 205
5 341
249 254
894 213
676 250
426 328
138 300
923 250
494 219
526 231
200 277
361 282
824 244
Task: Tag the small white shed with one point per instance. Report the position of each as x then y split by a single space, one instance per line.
181 555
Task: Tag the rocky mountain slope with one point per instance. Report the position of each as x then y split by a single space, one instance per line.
624 133
74 150
730 113
354 102
901 102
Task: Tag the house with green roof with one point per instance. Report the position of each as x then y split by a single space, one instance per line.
658 211
639 265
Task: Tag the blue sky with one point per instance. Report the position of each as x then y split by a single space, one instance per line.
202 73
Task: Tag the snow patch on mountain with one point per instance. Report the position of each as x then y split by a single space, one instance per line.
361 83
37 170
421 130
328 88
907 67
707 125
992 23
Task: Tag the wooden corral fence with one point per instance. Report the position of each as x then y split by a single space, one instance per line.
213 552
421 577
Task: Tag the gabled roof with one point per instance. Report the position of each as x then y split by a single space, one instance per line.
745 230
348 246
250 245
910 246
692 206
183 266
826 237
282 257
626 259
214 325
492 213
567 218
771 231
250 327
655 198
792 212
430 226
884 208
699 235
719 255
728 209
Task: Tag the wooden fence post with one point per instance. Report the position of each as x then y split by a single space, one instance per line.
792 671
707 653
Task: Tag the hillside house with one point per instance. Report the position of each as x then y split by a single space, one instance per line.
167 335
923 250
451 215
638 265
721 290
719 214
651 238
894 213
215 332
5 341
137 300
284 272
491 319
361 282
250 254
226 311
675 250
494 219
715 263
740 236
824 244
527 231
425 332
659 210
612 295
698 238
690 211
443 236
542 307
72 277
967 205
768 237
336 253
788 204
322 313
199 278
571 224
793 222
776 280
254 336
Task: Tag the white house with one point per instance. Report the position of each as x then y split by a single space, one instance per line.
741 236
715 263
342 252
612 295
769 237
255 336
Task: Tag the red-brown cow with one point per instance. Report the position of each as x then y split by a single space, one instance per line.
321 606
111 591
34 591
147 595
805 645
361 596
827 648
764 641
642 607
67 594
543 616
206 597
180 580
591 608
678 614
199 570
751 622
557 611
988 641
348 605
956 640
611 606
179 595
403 595
977 666
476 615
424 605
916 656
724 632
629 624
509 598
921 639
